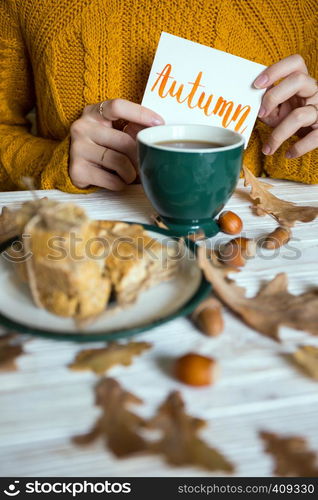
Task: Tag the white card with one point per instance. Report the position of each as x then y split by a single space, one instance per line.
191 83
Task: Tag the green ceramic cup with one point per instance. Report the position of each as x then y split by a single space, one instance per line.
189 187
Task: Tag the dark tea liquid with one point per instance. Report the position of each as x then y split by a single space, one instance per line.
190 144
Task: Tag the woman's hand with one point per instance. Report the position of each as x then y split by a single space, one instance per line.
290 107
100 155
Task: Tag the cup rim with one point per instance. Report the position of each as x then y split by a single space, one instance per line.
141 139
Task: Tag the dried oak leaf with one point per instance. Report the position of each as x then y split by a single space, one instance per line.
101 360
272 307
291 454
121 429
9 352
306 357
117 425
198 236
156 219
285 212
179 443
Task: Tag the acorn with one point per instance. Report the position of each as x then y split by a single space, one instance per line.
247 246
196 370
230 223
208 317
231 255
279 237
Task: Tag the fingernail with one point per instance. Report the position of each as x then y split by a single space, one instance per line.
261 81
157 121
261 112
266 149
288 155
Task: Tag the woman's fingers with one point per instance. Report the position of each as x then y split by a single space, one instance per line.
110 160
277 115
296 83
114 139
298 118
97 148
308 143
132 129
279 70
116 109
290 106
84 174
101 178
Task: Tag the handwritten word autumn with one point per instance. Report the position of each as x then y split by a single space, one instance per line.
193 97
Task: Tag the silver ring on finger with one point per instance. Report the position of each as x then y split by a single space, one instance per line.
101 109
315 106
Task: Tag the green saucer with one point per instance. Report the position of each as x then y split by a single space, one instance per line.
185 227
159 304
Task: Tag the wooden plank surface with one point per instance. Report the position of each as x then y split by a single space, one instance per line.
43 404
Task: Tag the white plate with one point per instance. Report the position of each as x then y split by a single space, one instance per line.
156 305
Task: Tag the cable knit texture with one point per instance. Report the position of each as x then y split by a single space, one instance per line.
60 55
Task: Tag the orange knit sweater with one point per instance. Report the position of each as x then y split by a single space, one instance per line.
59 55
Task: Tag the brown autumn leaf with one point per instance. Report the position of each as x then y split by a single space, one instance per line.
156 219
291 454
9 352
124 432
198 236
285 212
102 359
117 425
180 443
306 357
272 307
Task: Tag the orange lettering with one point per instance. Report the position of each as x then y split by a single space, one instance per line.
205 105
224 105
177 93
222 108
164 75
196 84
245 114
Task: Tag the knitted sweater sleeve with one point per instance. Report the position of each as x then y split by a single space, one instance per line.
305 168
21 153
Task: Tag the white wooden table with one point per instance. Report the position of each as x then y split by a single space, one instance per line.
44 403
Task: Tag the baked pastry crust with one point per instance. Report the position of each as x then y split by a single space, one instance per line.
75 264
135 261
